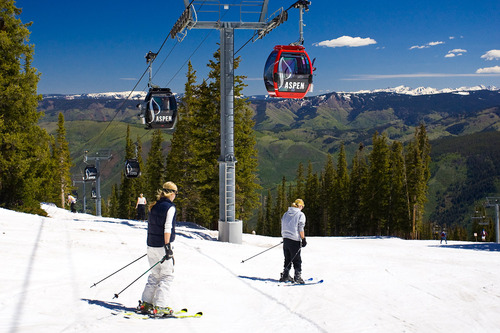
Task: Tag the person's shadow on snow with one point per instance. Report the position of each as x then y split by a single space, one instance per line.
109 305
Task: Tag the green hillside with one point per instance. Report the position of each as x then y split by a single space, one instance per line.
464 131
466 170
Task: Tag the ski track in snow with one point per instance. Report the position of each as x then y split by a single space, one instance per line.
261 292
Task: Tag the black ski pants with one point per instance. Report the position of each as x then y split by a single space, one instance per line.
291 249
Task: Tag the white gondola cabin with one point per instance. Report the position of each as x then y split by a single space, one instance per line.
160 109
90 173
132 168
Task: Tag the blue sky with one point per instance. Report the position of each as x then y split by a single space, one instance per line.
99 45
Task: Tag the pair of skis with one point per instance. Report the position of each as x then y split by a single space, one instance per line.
306 282
182 314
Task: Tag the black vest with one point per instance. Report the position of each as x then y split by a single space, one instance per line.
156 223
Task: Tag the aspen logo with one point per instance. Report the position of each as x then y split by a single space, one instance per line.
163 119
292 85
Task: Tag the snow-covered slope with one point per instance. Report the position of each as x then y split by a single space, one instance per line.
370 284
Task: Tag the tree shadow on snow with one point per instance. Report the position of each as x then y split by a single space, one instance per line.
108 305
192 234
490 247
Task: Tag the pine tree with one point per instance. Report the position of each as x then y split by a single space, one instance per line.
26 172
300 184
280 208
357 193
247 182
342 193
398 223
312 202
206 149
154 170
260 221
418 174
180 157
327 193
268 217
63 161
378 185
264 223
114 201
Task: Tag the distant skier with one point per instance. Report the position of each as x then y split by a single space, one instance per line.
483 235
443 237
141 207
292 231
72 202
161 234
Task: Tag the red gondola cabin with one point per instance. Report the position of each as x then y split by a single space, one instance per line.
288 72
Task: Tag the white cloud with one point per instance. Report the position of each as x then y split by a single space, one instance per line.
347 41
426 46
455 53
491 55
489 70
435 43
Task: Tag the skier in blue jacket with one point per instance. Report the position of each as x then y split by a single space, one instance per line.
292 231
161 234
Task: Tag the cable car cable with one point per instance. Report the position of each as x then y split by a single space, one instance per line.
303 2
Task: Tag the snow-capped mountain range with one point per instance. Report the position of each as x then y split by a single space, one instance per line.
134 95
404 90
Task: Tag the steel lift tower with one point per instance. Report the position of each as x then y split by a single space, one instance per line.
230 229
97 157
495 202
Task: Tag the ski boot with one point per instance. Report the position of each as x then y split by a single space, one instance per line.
162 311
297 278
144 308
285 276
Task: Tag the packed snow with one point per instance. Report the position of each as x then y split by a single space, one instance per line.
371 284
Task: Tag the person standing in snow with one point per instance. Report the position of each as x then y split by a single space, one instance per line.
292 231
443 237
72 202
483 235
161 234
141 207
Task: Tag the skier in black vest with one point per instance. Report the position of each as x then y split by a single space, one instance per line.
161 234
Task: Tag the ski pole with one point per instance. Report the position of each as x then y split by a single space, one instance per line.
291 261
150 268
262 252
117 271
